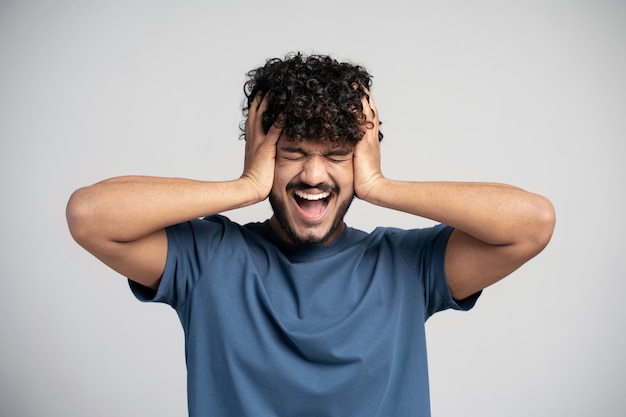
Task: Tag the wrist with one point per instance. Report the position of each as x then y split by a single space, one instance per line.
371 189
252 190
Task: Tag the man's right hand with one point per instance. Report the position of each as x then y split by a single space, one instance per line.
122 220
260 148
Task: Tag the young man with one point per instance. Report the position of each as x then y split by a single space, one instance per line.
301 315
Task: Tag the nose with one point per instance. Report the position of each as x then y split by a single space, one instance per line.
314 170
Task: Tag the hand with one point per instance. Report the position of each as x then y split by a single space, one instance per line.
367 172
260 148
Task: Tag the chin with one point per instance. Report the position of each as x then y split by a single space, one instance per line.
312 239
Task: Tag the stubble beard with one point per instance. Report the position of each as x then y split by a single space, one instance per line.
280 215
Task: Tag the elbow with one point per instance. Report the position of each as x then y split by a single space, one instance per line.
544 223
78 212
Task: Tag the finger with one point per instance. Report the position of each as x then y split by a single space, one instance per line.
276 130
257 107
255 104
367 110
262 101
369 100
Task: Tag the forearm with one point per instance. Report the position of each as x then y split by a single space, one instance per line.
125 209
496 214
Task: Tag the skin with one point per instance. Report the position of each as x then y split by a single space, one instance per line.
497 227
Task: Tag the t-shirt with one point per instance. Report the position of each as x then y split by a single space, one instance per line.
274 329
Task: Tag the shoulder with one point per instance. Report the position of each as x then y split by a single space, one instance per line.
208 235
216 225
428 236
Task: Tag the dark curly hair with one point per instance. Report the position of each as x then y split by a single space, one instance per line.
316 97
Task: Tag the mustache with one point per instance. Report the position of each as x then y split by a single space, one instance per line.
299 185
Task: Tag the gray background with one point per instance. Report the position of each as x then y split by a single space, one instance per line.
531 93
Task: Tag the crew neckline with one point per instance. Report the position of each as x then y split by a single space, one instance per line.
308 252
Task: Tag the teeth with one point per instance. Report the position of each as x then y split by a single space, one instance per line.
307 196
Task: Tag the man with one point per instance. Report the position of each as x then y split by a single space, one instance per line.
301 315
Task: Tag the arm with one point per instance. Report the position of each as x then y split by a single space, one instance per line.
497 227
121 221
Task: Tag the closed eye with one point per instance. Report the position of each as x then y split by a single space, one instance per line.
338 156
291 153
297 154
339 159
293 157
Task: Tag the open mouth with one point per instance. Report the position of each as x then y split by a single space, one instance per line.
312 203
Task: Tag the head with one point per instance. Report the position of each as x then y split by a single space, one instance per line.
319 103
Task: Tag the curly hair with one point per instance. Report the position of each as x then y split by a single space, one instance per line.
311 97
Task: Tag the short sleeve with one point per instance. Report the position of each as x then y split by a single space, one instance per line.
439 295
190 248
425 250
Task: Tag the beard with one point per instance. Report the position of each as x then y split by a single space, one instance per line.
278 206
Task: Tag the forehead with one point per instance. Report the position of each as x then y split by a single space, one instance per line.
311 145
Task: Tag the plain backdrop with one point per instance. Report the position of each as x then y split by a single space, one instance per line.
531 93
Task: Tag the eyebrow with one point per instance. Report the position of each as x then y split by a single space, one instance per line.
339 152
292 149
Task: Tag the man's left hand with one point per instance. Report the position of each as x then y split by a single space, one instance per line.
367 171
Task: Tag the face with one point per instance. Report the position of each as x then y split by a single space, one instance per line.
312 191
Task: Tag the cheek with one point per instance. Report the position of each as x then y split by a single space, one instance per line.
345 177
282 176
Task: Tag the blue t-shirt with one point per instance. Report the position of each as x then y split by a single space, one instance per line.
273 329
